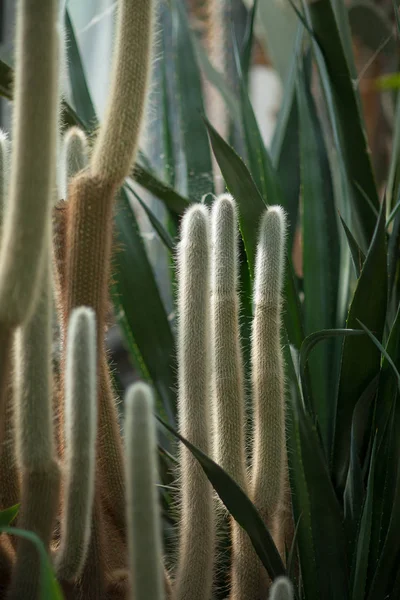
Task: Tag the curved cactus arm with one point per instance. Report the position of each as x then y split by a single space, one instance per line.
33 160
80 443
194 574
281 589
90 218
116 145
143 510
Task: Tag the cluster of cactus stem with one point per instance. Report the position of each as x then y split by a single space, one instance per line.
87 493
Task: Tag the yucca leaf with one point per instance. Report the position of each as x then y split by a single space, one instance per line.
321 540
389 557
139 308
8 515
359 580
239 506
354 493
357 254
315 338
172 199
197 155
247 46
156 223
216 79
80 91
320 253
251 206
360 358
285 151
348 110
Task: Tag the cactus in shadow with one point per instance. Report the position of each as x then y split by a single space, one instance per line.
35 440
32 176
194 572
281 589
143 518
80 443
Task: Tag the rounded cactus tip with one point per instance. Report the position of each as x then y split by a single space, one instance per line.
224 208
139 397
75 135
273 222
82 316
281 589
195 223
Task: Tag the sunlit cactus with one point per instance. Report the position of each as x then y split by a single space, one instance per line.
194 573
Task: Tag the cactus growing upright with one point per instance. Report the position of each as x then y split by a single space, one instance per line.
80 443
32 176
194 573
143 512
35 439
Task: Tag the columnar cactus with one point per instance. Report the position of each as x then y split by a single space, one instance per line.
143 511
32 174
228 396
194 573
268 461
35 439
80 443
269 442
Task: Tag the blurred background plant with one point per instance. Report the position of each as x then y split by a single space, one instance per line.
306 95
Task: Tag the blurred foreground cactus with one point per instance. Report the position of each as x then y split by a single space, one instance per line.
94 507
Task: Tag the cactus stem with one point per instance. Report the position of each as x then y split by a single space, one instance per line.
32 173
143 512
194 575
80 442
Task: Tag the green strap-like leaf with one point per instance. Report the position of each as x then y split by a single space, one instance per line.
251 207
357 254
320 254
321 540
360 357
240 507
353 138
196 147
49 587
139 309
